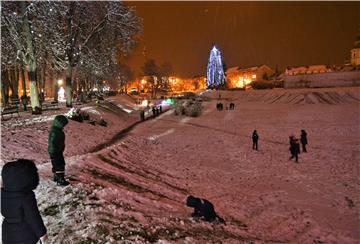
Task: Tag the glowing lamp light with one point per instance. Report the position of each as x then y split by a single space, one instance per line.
60 82
168 101
61 94
254 76
145 103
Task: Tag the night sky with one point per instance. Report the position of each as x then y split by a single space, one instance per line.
248 33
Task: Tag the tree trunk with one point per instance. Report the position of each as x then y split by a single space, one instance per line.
43 77
34 93
11 80
16 82
68 86
30 61
54 86
56 89
22 72
4 88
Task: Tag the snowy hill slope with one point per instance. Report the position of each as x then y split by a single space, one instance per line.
293 96
134 190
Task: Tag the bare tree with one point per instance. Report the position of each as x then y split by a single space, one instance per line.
17 19
84 26
151 69
166 71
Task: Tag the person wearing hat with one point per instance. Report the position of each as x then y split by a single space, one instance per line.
56 147
22 221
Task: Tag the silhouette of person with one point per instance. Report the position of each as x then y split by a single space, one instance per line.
255 138
303 140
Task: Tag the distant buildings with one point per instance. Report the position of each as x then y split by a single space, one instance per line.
355 52
312 69
241 77
171 84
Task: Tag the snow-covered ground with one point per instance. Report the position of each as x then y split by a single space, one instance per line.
135 189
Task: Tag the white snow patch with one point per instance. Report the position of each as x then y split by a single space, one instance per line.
168 132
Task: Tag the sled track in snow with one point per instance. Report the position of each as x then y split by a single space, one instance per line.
121 134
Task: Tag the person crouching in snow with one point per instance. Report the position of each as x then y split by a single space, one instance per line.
22 221
203 209
56 149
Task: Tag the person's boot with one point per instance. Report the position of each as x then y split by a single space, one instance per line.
56 177
61 180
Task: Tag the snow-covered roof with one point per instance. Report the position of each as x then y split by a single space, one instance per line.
232 70
237 69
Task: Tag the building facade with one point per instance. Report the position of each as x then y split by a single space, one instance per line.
355 52
242 77
311 69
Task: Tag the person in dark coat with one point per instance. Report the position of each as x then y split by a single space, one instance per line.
203 209
232 106
154 111
56 147
22 222
255 138
294 148
303 140
142 115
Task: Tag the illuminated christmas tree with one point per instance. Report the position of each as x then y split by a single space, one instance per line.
215 71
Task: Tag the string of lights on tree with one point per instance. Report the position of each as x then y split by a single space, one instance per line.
215 71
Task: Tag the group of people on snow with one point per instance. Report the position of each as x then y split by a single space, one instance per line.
294 143
220 106
23 222
156 110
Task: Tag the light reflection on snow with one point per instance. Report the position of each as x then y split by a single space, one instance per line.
30 121
155 137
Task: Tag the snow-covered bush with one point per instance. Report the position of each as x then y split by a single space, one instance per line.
77 115
179 108
190 108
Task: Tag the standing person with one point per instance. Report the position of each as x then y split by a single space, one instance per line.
142 115
303 140
22 221
255 138
56 149
294 147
